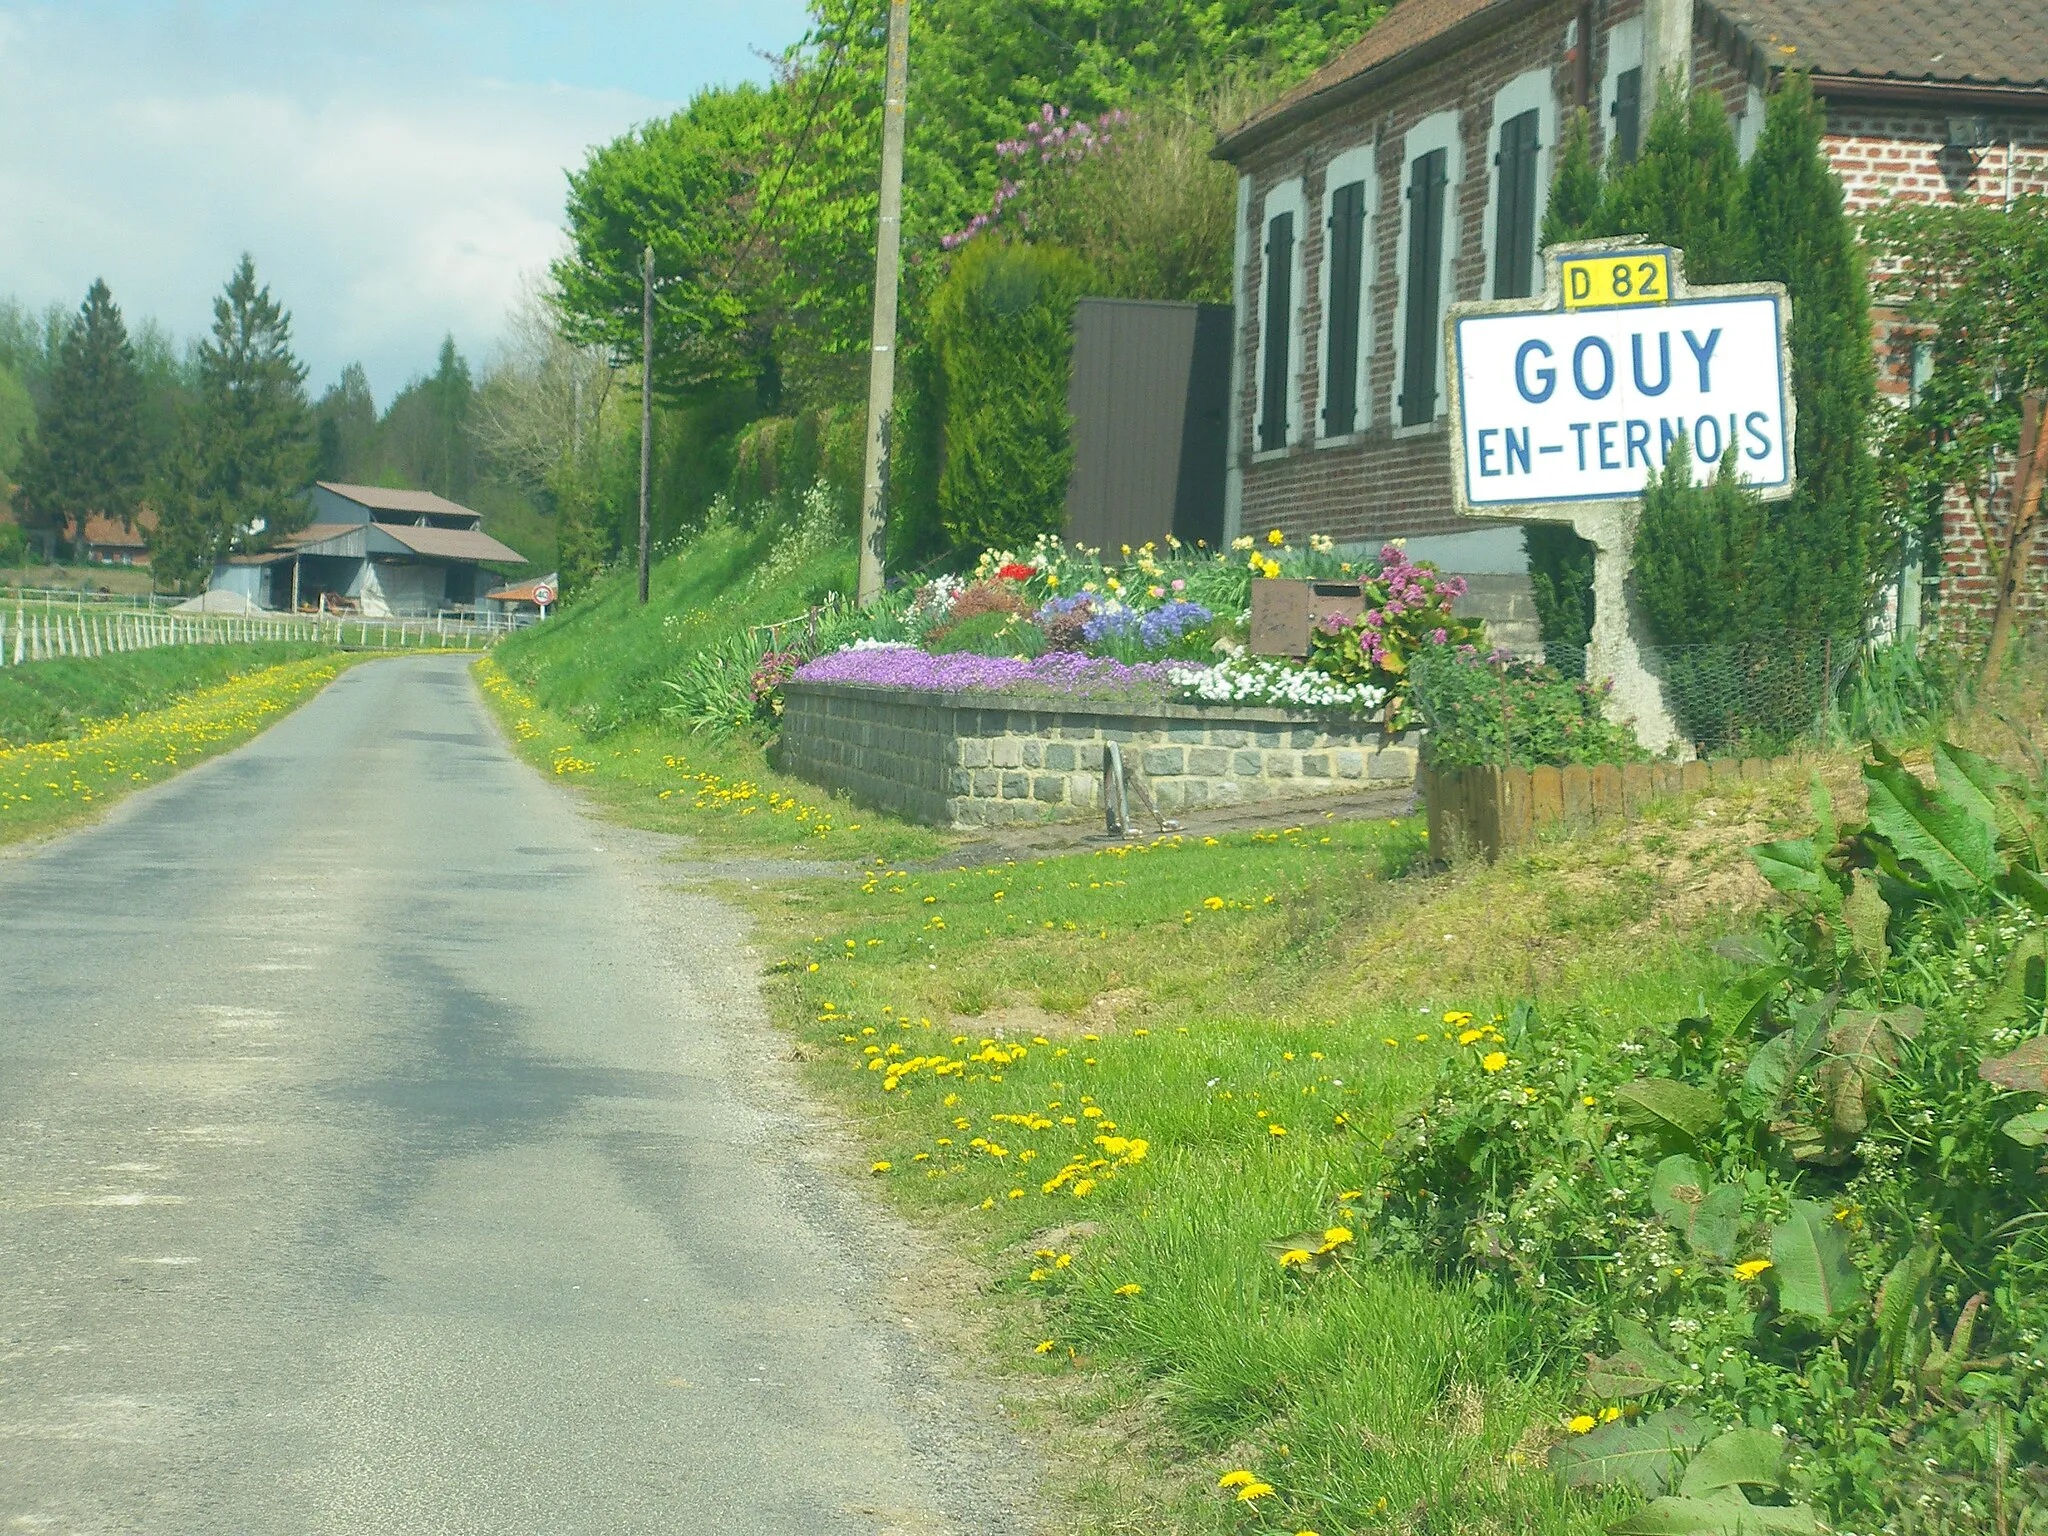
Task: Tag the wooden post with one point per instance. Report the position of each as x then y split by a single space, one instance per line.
874 504
646 404
2027 479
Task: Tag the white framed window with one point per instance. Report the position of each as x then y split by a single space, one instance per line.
1351 205
1750 124
1234 449
1432 169
1524 137
1621 92
1277 425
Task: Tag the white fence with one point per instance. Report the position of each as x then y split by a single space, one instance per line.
42 630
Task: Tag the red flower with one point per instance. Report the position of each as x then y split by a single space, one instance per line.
1015 572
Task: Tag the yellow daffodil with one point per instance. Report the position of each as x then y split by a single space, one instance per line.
1276 538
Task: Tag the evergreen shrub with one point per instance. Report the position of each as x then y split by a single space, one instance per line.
1002 327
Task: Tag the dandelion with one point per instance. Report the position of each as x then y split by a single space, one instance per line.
1238 1479
1131 1288
1295 1257
1276 1130
1252 1491
1582 1424
1044 1347
1493 1061
1749 1269
881 1167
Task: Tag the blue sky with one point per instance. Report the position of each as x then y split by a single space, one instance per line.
395 168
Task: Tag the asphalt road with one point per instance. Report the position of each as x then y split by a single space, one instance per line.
387 1148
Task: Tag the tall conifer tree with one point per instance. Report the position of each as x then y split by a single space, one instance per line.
1826 544
238 476
87 457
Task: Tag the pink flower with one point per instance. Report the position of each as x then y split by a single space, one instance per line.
1179 585
1439 636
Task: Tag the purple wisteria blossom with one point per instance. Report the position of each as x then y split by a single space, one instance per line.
1066 674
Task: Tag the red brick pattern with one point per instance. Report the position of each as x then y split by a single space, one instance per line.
1381 483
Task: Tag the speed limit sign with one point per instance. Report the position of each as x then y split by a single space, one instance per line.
543 594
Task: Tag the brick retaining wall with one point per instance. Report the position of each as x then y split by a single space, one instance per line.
968 760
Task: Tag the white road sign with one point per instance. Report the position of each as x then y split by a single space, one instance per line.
543 594
1560 406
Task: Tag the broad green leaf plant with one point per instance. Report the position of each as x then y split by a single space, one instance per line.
1800 1239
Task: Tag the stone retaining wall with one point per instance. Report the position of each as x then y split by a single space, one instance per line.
969 760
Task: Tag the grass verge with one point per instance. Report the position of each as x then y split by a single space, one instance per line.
48 785
1125 1083
51 700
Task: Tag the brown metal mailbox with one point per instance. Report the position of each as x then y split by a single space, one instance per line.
1285 610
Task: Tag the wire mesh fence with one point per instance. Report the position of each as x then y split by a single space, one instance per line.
1753 698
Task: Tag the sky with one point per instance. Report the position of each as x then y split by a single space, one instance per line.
394 166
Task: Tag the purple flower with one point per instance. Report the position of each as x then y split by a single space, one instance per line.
1063 673
1439 636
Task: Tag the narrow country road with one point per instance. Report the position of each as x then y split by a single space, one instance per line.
383 1150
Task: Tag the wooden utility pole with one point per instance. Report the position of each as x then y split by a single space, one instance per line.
2027 483
874 501
646 403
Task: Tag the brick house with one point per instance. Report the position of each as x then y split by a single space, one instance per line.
109 541
1412 171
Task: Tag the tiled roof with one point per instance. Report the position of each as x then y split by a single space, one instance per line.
522 592
382 498
1931 42
109 532
1408 26
1950 42
450 543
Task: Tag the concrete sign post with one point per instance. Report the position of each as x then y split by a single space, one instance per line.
1562 408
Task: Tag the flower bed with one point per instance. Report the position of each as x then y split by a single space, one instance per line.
1064 674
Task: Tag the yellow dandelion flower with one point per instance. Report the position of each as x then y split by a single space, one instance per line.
881 1167
1045 1347
1251 1491
1582 1424
1276 1130
1336 1237
1609 1414
1749 1269
1493 1061
1294 1257
1131 1288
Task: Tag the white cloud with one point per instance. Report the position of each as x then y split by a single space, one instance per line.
387 195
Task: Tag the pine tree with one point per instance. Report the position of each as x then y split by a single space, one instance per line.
238 477
87 457
1829 542
1685 188
1575 190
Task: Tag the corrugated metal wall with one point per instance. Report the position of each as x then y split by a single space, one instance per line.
1150 385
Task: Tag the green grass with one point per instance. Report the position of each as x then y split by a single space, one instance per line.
52 700
48 785
1197 992
601 660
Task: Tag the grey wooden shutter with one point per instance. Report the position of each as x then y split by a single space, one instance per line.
1514 221
1425 286
1343 303
1628 114
1275 335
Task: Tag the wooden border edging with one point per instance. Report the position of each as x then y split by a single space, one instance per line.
1488 810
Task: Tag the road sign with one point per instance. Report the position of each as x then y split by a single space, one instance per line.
543 593
1579 401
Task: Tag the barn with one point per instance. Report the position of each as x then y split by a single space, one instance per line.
376 551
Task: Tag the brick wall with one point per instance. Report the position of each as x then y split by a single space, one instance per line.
1383 483
968 760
